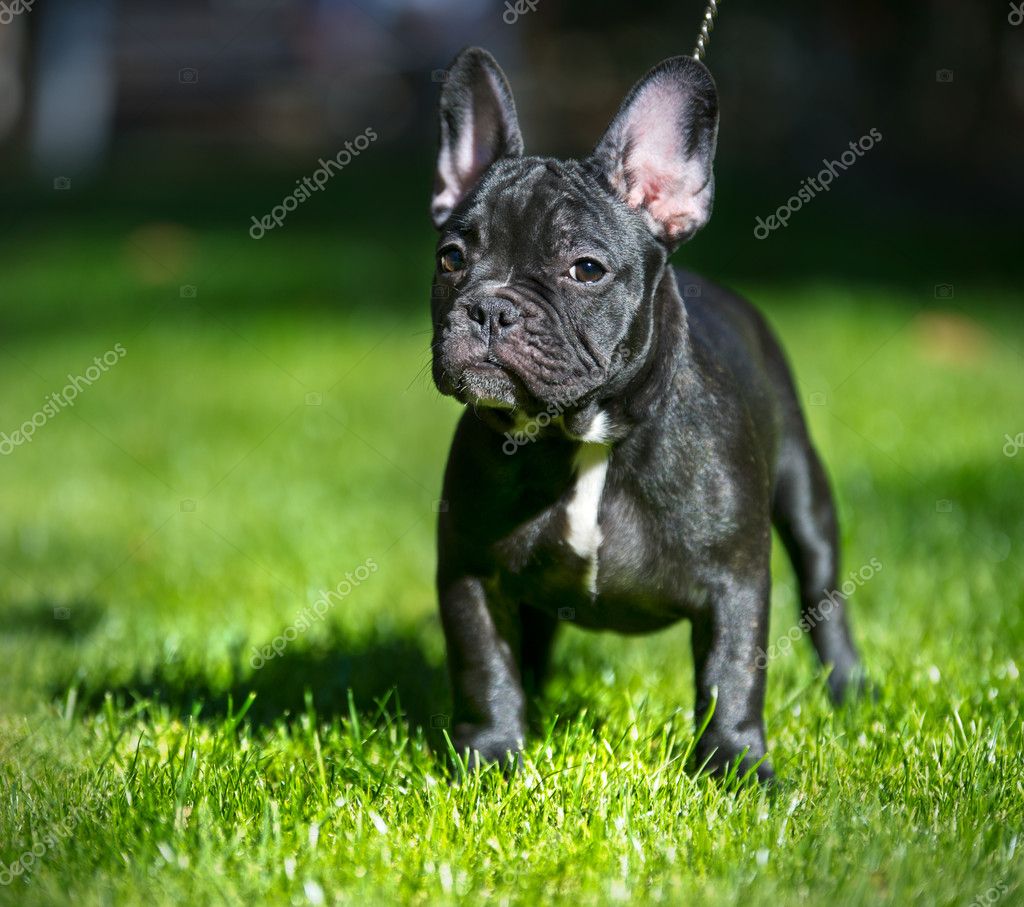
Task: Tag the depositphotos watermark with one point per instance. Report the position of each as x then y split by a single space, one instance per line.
310 184
991 896
308 616
529 430
61 399
1013 445
819 613
15 8
811 186
519 8
56 835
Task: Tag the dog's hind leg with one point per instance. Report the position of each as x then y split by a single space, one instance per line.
804 515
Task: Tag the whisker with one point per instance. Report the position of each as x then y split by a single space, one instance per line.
419 374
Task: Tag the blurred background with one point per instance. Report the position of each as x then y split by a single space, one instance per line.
216 407
236 192
203 110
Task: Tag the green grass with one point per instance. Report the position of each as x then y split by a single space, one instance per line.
195 499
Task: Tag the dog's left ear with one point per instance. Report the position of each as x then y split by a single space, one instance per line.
478 126
657 153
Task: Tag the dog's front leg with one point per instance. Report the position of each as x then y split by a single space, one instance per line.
726 642
487 689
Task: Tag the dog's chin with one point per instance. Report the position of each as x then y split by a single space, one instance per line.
501 386
482 384
490 386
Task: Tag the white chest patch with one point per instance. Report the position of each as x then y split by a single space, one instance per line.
584 531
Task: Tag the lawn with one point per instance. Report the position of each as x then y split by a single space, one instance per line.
271 428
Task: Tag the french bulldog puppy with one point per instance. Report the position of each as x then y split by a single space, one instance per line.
625 448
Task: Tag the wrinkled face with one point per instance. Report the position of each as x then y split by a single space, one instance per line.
540 277
545 269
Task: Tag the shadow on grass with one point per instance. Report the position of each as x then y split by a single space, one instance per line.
965 507
49 617
392 668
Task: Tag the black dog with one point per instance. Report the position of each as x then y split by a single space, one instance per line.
625 451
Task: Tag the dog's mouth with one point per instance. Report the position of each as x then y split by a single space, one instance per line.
498 376
489 383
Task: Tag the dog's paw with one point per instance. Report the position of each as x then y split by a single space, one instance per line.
477 747
850 686
724 757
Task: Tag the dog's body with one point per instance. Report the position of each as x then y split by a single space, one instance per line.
629 446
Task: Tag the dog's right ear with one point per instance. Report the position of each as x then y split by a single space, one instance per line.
478 126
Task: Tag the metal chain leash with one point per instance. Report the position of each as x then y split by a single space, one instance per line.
705 30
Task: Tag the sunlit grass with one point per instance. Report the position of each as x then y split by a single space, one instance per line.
276 431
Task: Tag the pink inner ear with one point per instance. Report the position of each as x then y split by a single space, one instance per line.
663 195
661 180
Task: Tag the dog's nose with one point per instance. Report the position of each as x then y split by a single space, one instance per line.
494 315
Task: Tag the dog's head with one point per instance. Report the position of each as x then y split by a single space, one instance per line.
546 269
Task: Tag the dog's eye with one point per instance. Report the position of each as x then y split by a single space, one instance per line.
586 270
451 260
